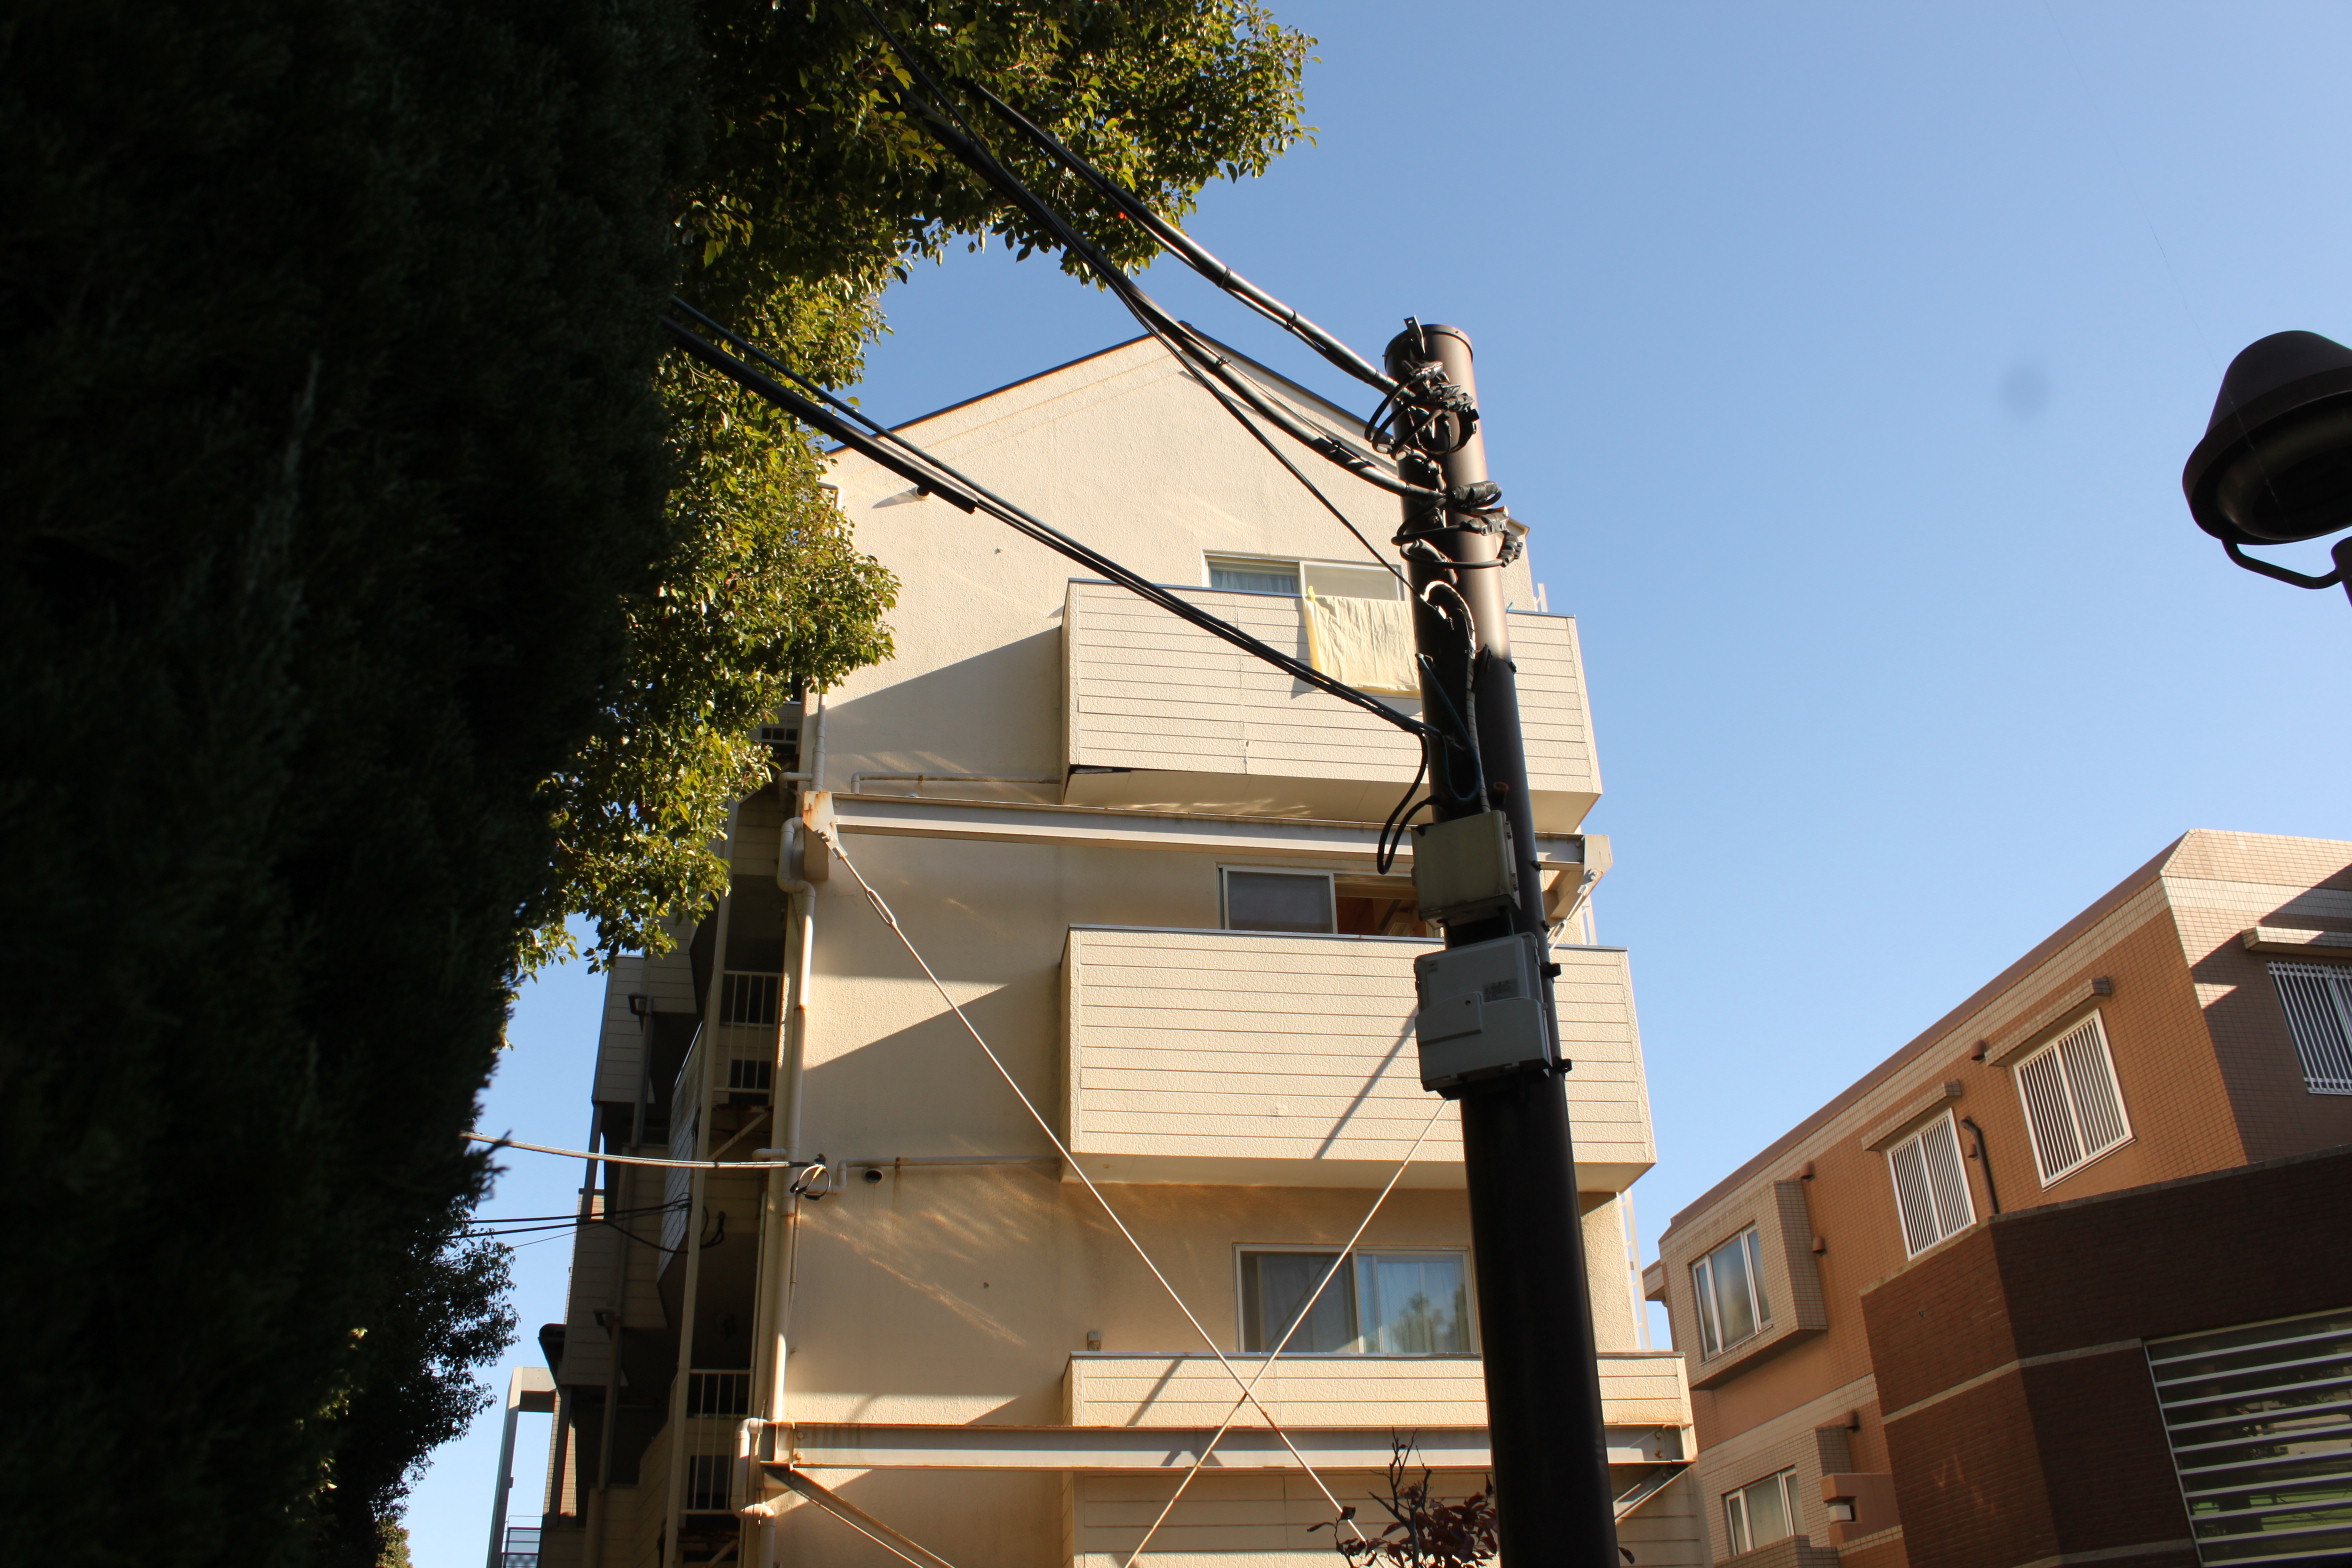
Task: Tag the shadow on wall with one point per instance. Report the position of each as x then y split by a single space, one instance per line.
924 1089
2255 1047
998 712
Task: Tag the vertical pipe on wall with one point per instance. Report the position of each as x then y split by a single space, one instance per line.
780 1219
674 1505
616 1316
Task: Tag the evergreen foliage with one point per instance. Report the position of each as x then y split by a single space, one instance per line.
330 436
813 194
373 597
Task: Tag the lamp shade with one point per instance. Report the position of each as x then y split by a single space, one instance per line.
2276 462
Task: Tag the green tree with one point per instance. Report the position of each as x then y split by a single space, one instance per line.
331 446
372 596
412 1383
814 194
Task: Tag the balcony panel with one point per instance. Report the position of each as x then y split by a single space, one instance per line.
1406 1393
1161 714
1258 1059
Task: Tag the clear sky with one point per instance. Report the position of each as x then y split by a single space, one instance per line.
1844 359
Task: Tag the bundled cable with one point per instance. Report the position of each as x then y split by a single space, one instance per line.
930 105
821 410
1191 251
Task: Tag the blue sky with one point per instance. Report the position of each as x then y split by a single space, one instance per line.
1843 359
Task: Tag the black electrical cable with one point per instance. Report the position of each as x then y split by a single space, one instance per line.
1177 337
500 1228
1477 789
1392 832
668 1252
935 113
1312 488
524 1230
532 1219
829 414
1191 251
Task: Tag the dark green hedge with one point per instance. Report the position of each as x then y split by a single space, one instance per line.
333 490
328 443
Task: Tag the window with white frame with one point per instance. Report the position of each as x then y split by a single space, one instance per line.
2318 1000
1383 1302
1278 900
1931 1185
1729 1286
1288 574
2072 1107
1761 1512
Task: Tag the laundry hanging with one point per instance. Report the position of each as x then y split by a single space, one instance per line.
1368 643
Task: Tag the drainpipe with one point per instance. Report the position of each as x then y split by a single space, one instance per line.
675 1504
592 1552
780 1227
1992 1193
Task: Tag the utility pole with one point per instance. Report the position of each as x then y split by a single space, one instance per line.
1553 1501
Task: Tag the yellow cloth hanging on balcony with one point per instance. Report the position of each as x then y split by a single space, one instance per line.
1367 643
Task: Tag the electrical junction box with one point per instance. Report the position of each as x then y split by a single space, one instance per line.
1465 868
1481 1011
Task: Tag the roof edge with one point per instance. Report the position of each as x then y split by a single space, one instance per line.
1919 1044
1040 375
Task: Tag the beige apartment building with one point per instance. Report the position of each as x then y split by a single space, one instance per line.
1143 864
2064 1279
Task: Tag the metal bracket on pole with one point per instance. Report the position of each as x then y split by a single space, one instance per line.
1487 1035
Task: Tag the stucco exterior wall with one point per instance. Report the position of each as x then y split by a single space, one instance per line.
1260 1088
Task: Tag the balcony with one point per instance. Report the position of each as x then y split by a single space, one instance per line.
1640 1389
1259 1059
1161 714
1153 1411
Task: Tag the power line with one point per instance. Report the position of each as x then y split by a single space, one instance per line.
823 411
937 115
632 1159
570 1218
1192 251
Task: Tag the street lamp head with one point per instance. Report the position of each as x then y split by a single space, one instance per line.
2276 462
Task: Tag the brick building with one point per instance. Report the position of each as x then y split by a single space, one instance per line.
2064 1279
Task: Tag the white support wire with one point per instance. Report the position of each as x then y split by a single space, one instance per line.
633 1159
1273 1355
882 908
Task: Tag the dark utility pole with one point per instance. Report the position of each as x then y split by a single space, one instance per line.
1543 1394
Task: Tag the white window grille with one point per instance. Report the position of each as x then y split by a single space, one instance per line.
1761 1512
522 1547
2260 1422
2072 1107
709 1480
1931 1185
2318 1000
1729 1286
718 1393
746 997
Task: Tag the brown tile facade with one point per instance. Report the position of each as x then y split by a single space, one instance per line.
2022 1420
2210 1081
